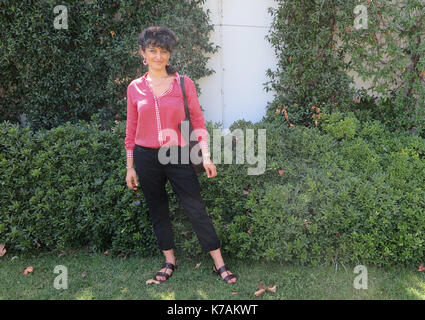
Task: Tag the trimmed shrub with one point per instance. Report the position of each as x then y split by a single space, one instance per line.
345 192
340 198
65 187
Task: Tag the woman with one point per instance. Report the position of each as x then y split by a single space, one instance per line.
154 103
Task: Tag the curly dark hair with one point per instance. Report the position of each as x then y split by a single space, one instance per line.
157 36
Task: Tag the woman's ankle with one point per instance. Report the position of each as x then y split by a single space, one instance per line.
169 256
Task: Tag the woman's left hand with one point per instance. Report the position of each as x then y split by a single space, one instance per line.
210 168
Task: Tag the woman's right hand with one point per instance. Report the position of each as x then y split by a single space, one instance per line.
131 179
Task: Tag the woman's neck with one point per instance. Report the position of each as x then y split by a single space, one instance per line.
158 74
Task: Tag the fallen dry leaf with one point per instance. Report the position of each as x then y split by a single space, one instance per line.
285 114
234 293
106 253
83 275
246 191
263 289
197 265
259 292
28 270
281 172
271 289
2 250
150 281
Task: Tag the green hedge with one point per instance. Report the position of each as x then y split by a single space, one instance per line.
64 187
54 76
352 192
347 192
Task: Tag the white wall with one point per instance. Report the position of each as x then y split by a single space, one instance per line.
236 89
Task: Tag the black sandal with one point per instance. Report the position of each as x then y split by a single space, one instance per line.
166 265
222 269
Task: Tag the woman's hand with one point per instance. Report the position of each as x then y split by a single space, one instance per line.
210 168
131 179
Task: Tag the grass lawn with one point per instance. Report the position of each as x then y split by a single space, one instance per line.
98 276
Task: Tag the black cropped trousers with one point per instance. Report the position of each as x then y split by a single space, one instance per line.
153 176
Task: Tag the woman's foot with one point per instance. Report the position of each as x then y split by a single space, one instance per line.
225 274
166 272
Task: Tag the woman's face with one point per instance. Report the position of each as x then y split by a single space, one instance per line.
156 57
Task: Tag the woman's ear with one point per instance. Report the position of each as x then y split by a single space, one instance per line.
142 53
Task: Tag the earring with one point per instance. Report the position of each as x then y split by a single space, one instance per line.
168 63
144 61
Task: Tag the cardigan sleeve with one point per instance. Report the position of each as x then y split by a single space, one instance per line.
131 124
196 116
